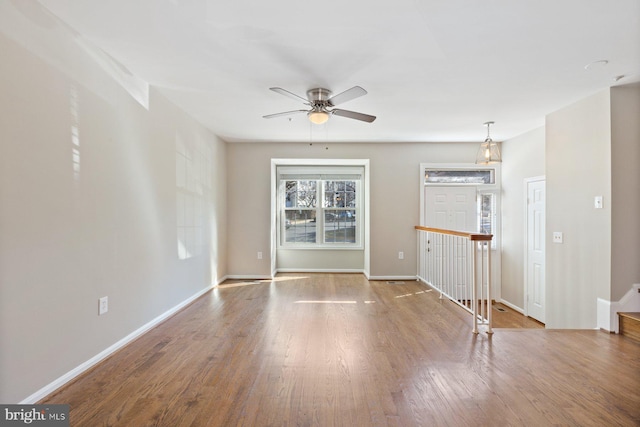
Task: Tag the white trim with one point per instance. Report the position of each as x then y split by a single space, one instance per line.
323 247
320 270
424 282
69 376
274 216
408 278
608 310
512 306
327 173
366 238
631 301
321 162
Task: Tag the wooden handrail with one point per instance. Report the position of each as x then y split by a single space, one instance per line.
470 236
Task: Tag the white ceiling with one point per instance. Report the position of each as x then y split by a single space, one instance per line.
435 70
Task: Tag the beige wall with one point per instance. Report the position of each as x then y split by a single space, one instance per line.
581 167
625 180
98 221
578 168
524 157
338 260
394 197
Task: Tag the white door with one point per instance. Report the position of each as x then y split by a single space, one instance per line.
535 274
451 208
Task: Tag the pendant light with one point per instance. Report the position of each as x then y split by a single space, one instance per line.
488 151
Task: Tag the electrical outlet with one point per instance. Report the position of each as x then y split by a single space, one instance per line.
557 237
259 255
103 305
400 255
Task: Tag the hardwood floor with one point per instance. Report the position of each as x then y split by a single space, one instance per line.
505 317
338 350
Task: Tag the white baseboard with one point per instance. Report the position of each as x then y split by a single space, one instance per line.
317 270
424 282
607 314
512 306
64 379
409 278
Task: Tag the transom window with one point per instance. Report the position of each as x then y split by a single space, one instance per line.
458 176
319 209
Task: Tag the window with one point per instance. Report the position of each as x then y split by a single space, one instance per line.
300 211
487 215
319 207
450 176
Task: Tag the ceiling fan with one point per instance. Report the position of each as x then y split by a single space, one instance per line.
322 103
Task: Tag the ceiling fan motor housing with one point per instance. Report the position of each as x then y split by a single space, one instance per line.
319 97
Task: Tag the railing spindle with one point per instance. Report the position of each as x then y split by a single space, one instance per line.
451 262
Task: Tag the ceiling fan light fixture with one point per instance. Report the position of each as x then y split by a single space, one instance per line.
488 151
318 117
322 102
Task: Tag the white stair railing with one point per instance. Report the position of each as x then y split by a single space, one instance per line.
458 265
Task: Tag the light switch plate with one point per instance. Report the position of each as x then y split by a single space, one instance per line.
103 305
597 202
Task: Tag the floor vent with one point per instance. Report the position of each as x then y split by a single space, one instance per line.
500 309
395 282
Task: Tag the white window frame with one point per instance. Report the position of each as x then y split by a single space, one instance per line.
494 214
320 174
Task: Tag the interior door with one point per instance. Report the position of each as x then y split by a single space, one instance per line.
535 276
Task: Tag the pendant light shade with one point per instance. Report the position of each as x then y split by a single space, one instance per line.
488 151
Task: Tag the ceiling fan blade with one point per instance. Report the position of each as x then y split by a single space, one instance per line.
286 113
353 115
289 94
347 95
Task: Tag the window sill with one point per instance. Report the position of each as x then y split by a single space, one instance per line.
321 248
